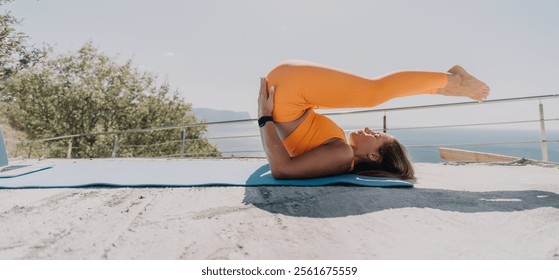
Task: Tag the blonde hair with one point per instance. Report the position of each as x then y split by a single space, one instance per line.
394 162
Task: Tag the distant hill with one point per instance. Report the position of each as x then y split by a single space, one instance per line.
213 115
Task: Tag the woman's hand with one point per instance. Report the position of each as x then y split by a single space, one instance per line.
265 99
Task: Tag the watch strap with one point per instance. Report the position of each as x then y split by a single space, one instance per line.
263 120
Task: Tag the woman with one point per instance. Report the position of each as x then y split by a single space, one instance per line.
300 143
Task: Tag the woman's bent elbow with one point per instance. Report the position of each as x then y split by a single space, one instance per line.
279 174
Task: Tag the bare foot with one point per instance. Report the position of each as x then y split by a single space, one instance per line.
461 83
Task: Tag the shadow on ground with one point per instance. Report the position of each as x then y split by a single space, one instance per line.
332 201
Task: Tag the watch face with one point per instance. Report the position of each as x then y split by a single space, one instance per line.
263 120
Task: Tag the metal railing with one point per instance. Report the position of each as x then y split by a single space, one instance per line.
184 142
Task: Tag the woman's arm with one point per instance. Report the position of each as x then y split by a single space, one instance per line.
328 159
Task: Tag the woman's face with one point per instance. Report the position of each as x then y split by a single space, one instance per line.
366 141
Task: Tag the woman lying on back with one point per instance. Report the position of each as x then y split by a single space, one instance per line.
300 143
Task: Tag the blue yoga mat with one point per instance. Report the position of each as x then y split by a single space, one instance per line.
174 173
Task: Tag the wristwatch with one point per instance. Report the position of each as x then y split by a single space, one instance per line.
263 120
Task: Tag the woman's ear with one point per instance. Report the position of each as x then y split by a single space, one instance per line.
374 157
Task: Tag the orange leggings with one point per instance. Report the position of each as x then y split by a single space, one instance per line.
300 86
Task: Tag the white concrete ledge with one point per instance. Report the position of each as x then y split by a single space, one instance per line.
454 212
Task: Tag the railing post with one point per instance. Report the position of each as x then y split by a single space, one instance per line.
69 152
543 136
183 140
384 123
30 149
115 145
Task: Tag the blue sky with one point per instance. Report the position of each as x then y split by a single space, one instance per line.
214 51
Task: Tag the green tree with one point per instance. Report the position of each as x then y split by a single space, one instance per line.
15 53
87 92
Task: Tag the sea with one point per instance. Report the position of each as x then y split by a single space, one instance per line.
243 140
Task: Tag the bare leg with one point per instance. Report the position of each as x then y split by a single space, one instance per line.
461 83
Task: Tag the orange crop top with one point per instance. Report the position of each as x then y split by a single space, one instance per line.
314 131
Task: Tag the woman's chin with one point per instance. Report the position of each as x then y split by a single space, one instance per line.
351 139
